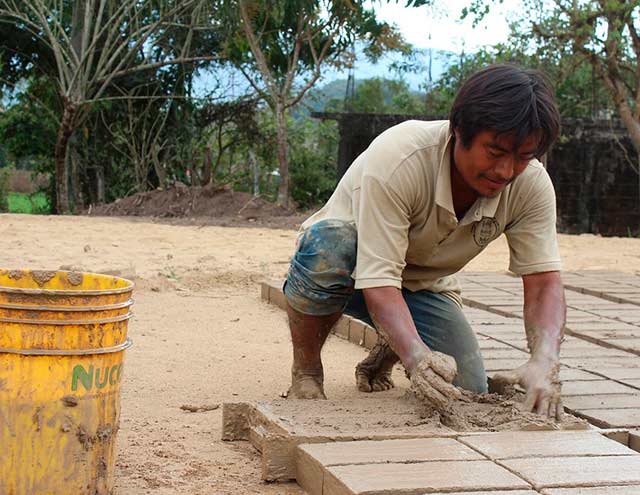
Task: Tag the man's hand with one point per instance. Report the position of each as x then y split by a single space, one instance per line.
432 377
539 377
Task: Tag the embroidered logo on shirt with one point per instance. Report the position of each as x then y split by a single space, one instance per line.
485 231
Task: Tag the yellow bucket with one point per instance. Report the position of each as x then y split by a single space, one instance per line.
62 342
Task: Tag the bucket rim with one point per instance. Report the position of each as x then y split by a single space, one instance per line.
72 292
98 321
69 352
59 292
68 309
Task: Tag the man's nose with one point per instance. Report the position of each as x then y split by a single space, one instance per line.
504 168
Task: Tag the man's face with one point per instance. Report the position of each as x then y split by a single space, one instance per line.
491 162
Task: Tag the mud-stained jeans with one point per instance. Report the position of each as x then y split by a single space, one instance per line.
319 283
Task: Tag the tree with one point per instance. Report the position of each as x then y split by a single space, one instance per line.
603 33
281 47
85 46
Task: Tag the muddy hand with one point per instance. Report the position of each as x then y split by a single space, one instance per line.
431 380
373 373
539 377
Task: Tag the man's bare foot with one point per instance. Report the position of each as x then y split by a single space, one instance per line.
306 385
373 373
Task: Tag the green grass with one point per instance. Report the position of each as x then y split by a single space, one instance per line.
36 203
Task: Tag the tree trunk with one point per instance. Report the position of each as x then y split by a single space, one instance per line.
632 125
62 145
160 170
100 189
255 172
283 163
75 194
207 176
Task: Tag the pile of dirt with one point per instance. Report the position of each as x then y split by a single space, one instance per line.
209 205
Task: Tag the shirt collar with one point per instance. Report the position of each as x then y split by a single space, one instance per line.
483 207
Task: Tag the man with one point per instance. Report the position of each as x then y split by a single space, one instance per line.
414 208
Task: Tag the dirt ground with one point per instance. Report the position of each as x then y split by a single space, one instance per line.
202 336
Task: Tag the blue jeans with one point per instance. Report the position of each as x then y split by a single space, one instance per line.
319 283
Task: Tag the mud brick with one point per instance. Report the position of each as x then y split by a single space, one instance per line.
595 387
341 328
557 472
604 490
592 350
356 331
504 364
602 325
570 374
632 344
416 478
509 353
612 418
487 343
612 335
622 373
311 459
264 291
370 337
276 428
530 444
593 363
309 471
276 296
634 440
603 401
499 492
619 435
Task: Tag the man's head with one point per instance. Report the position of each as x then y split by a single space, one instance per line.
502 117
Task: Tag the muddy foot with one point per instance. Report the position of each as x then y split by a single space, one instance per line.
306 385
373 374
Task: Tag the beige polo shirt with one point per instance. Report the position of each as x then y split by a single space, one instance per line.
398 195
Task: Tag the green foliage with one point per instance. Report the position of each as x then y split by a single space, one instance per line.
590 49
27 130
378 95
578 92
314 147
36 203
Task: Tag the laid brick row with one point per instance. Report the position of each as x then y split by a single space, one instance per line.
517 463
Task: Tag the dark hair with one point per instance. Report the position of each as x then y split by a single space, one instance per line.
506 99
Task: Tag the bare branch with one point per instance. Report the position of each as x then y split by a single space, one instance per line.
256 50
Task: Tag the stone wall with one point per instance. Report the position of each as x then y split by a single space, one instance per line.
592 168
591 165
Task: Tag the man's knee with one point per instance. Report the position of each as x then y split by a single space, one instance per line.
319 279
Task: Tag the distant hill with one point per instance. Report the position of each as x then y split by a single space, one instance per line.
363 69
384 68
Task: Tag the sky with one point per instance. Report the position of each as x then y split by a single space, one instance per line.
444 26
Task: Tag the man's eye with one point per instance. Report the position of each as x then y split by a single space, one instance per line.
494 154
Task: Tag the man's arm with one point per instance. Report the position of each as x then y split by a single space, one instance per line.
431 372
544 319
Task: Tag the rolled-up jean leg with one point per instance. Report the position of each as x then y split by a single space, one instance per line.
319 279
443 327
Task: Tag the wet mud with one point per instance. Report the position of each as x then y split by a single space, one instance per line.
492 412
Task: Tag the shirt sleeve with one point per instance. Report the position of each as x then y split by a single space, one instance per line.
532 238
383 226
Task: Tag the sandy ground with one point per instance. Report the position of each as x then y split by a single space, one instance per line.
203 337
